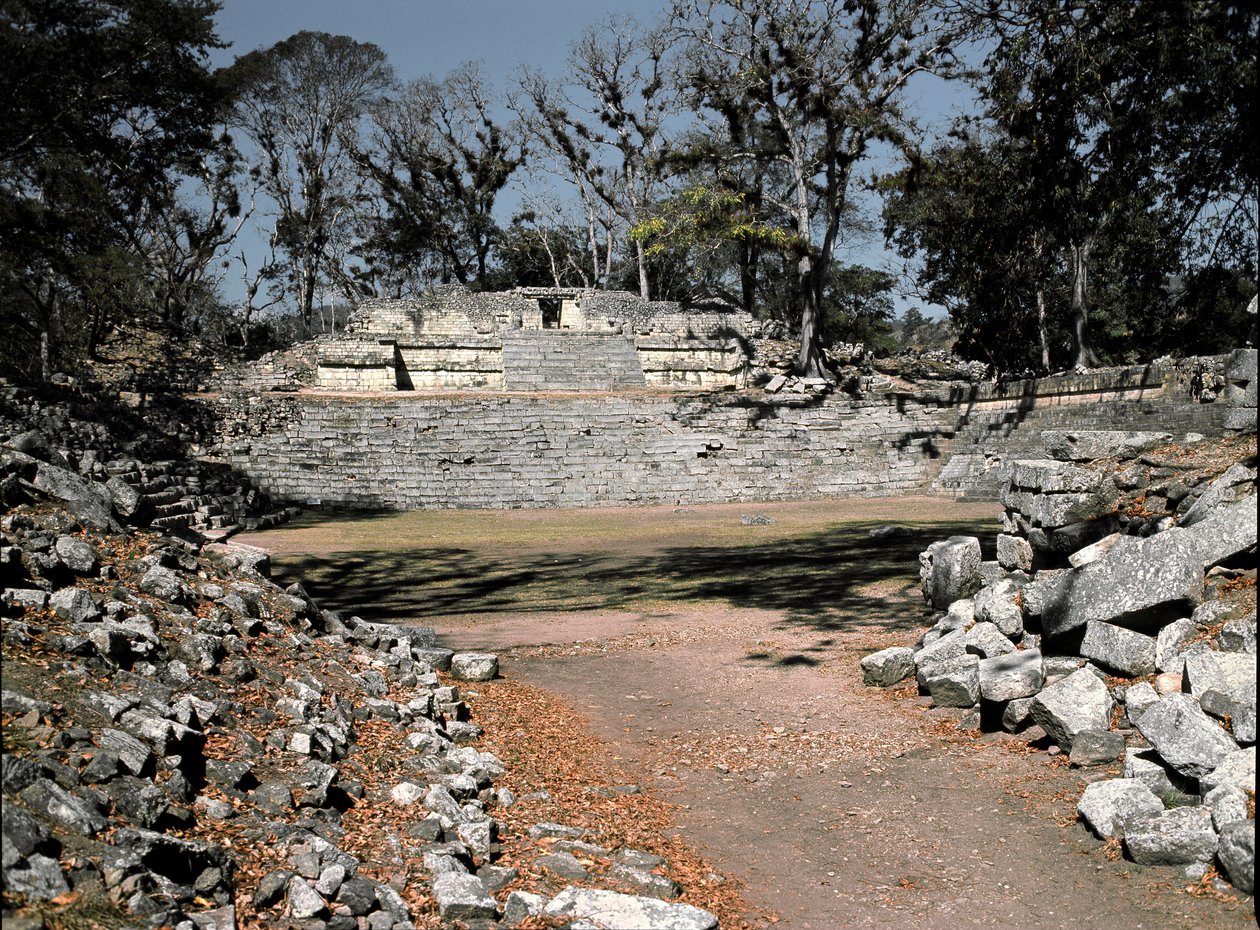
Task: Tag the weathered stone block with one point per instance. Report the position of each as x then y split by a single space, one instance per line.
1175 837
887 667
1185 737
949 569
1139 586
1106 806
1013 552
1075 703
1011 676
1119 650
954 682
1088 445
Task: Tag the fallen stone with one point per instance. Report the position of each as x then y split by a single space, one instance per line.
37 876
1174 837
461 896
1227 804
887 667
1013 552
1185 737
1016 714
1138 697
1138 586
304 902
953 682
563 865
1237 854
1144 765
521 905
950 646
1093 552
1107 806
1237 769
1239 635
999 604
76 555
1171 643
1231 673
1228 533
987 641
1119 650
949 569
66 809
610 910
1237 482
474 666
1096 747
644 882
1011 676
1089 445
75 605
1077 702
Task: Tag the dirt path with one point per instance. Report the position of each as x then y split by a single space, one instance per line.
721 664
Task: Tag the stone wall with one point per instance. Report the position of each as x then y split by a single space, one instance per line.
497 450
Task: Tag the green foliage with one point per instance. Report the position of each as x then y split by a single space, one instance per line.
105 103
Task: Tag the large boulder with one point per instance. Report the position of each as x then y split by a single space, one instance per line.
1238 769
1139 585
1185 737
1011 676
1175 837
1077 702
1086 445
1106 806
949 569
1119 650
612 911
885 668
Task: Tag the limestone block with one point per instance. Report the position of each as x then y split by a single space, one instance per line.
1237 769
1119 650
1238 481
987 641
1139 585
1228 532
1075 703
1237 854
1011 676
1144 765
1172 642
1089 445
610 910
887 667
949 569
1014 552
953 682
1185 737
1000 604
1106 806
1179 836
1049 476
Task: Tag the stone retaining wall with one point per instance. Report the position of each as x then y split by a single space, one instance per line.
502 450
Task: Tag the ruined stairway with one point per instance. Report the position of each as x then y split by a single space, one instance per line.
559 360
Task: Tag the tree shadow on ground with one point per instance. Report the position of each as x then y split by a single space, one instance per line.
824 582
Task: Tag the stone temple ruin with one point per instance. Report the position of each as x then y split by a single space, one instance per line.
534 339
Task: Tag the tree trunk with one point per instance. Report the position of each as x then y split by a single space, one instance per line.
1041 329
45 355
1084 354
643 275
747 277
809 359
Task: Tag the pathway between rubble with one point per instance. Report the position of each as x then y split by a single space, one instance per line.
715 650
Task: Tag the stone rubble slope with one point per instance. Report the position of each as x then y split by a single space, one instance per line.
188 745
1118 626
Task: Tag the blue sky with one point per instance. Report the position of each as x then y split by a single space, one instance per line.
431 37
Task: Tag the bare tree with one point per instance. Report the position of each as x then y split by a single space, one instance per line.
606 126
300 102
825 79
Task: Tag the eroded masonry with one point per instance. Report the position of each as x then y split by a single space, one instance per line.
549 398
535 339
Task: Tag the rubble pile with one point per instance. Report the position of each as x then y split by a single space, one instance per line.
188 745
1117 625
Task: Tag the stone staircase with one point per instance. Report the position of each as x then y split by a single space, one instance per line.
559 360
201 497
